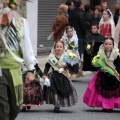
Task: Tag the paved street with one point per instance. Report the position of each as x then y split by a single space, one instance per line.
78 112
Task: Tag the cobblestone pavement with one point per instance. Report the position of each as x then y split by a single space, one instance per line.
78 112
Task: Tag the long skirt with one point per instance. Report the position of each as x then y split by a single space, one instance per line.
93 98
54 93
33 94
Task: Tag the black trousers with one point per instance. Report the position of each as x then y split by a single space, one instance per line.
8 107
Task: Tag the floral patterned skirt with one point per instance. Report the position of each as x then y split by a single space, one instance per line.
33 94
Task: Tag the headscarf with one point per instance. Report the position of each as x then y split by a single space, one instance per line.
111 22
73 38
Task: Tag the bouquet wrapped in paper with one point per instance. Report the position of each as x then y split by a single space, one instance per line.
99 61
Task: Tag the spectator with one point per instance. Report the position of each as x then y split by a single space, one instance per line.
88 16
79 24
70 4
96 16
104 6
60 23
117 13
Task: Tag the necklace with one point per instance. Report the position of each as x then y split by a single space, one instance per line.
108 53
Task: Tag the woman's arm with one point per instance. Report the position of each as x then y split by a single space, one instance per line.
47 67
38 70
28 54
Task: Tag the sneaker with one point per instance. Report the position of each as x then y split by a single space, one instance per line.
28 107
110 110
104 110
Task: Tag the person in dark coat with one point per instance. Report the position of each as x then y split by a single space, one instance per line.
117 14
91 47
96 16
88 16
79 24
70 5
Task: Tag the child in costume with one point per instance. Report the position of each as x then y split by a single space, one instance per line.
61 92
91 47
70 40
103 89
33 93
106 25
15 45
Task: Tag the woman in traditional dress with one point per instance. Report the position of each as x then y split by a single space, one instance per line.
106 25
33 93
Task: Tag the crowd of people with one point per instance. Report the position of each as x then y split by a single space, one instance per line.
85 39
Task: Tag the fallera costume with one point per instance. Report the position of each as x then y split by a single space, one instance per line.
91 48
107 29
61 92
71 48
103 89
33 93
14 46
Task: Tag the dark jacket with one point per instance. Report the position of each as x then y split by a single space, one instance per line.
90 53
88 15
71 19
78 22
95 20
116 17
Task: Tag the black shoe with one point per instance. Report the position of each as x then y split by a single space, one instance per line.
110 110
28 107
104 110
23 109
57 110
